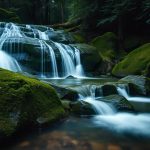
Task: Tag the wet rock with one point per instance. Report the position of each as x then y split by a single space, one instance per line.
109 89
119 102
65 93
138 85
81 108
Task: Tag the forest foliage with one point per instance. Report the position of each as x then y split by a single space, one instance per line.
107 15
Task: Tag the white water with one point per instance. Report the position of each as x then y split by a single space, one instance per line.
53 60
122 91
43 35
9 63
6 61
88 94
125 122
71 63
107 116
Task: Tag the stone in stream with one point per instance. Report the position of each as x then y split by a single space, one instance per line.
138 85
119 102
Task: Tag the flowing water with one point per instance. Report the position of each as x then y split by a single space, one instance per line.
70 56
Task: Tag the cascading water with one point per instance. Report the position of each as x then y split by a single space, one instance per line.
6 61
71 63
88 94
70 56
9 63
122 90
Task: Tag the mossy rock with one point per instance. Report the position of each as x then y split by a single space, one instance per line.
78 37
135 63
8 16
106 45
24 102
119 102
109 89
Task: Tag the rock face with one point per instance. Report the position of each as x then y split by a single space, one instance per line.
106 45
26 102
135 63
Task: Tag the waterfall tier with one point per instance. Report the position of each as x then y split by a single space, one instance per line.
33 47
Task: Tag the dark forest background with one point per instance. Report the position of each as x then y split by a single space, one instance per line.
122 17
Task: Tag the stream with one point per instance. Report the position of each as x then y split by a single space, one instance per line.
107 130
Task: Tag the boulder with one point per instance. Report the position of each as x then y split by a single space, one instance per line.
119 102
138 85
107 46
109 89
135 63
25 103
81 108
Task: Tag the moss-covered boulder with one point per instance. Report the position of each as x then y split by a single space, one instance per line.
26 102
119 102
106 45
8 16
78 37
135 63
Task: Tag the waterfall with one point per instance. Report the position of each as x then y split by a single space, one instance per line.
71 63
42 35
6 61
122 90
9 63
88 94
53 60
42 47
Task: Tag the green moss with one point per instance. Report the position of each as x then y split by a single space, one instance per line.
26 100
78 37
8 16
106 45
134 63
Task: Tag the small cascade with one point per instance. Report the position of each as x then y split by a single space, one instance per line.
6 61
71 63
42 35
79 68
88 94
9 63
53 60
123 91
